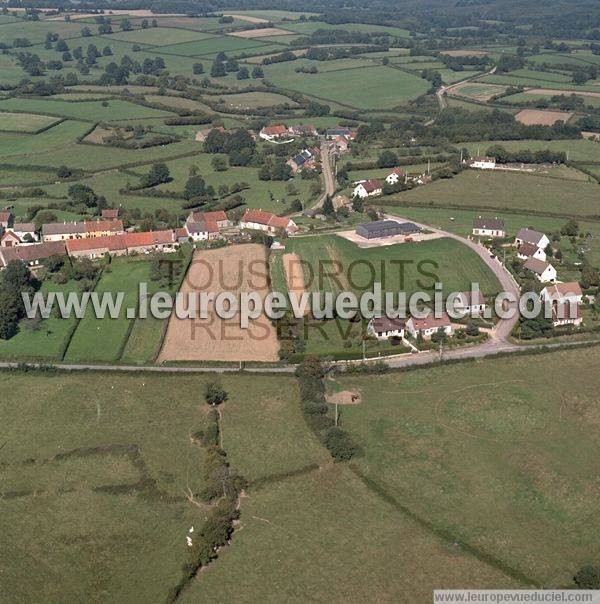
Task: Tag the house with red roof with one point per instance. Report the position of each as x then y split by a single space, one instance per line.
126 243
396 175
275 132
429 325
259 220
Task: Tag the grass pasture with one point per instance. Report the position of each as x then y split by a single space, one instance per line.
25 122
210 46
511 441
158 36
503 191
91 111
352 87
104 339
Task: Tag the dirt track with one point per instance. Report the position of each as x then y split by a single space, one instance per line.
294 275
241 268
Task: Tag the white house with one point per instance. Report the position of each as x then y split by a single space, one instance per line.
543 271
22 229
429 325
533 237
528 250
201 230
562 292
470 304
482 163
489 227
367 188
395 175
384 327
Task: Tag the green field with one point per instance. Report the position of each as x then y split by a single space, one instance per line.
507 191
158 36
24 122
98 339
43 340
334 264
211 46
499 453
352 87
92 111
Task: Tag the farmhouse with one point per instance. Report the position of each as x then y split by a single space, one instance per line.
384 327
266 221
385 228
429 325
533 237
202 230
219 217
31 255
489 227
110 214
6 218
302 130
202 134
62 231
340 143
9 239
270 133
543 271
367 188
396 175
471 303
528 250
25 231
340 131
127 243
482 163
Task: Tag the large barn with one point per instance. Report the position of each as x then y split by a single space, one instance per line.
385 228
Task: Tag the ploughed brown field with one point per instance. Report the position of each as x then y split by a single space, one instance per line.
235 269
532 117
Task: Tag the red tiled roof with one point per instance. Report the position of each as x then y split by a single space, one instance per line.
5 215
371 185
257 216
95 226
562 289
431 322
398 171
274 130
120 242
110 214
215 216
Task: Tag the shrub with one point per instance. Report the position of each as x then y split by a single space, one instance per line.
588 577
340 444
214 394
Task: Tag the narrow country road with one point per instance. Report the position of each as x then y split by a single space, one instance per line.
441 92
327 173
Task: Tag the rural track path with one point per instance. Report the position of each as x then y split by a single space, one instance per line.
443 90
328 176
